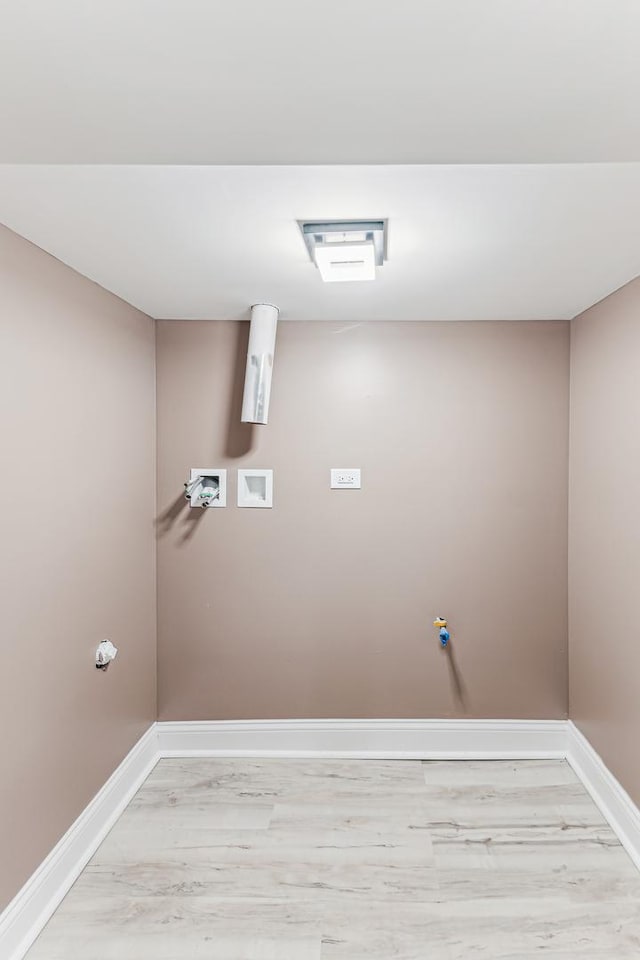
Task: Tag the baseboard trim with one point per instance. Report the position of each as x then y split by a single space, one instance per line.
379 739
609 795
28 912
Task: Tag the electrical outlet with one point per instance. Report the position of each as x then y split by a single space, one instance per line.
345 478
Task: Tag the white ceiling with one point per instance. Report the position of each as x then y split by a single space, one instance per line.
337 81
510 242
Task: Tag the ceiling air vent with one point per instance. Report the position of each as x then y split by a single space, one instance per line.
346 249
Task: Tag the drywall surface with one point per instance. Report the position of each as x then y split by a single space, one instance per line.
323 606
78 491
604 557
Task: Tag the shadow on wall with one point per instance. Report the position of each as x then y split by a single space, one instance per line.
166 521
239 436
458 686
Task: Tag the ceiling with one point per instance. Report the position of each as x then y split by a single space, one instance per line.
201 130
337 81
510 242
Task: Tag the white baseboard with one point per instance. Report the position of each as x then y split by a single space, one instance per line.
614 802
28 912
380 739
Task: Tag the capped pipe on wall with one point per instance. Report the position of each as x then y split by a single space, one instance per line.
257 378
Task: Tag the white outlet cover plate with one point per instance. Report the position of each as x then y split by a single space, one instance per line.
345 478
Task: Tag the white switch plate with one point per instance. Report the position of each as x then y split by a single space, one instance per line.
345 478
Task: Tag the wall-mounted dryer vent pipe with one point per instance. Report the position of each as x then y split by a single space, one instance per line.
257 378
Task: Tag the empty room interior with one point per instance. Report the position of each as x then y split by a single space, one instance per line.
320 356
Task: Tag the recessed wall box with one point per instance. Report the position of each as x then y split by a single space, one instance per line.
255 488
206 487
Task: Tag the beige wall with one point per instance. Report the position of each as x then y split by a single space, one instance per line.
604 559
323 606
76 408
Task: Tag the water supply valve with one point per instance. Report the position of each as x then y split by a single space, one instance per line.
206 487
444 634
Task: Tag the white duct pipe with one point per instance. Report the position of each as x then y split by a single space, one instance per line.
257 378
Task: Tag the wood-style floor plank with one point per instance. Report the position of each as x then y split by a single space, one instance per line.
235 859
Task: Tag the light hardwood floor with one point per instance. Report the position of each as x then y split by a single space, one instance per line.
341 860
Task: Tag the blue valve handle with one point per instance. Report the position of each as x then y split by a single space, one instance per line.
444 636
